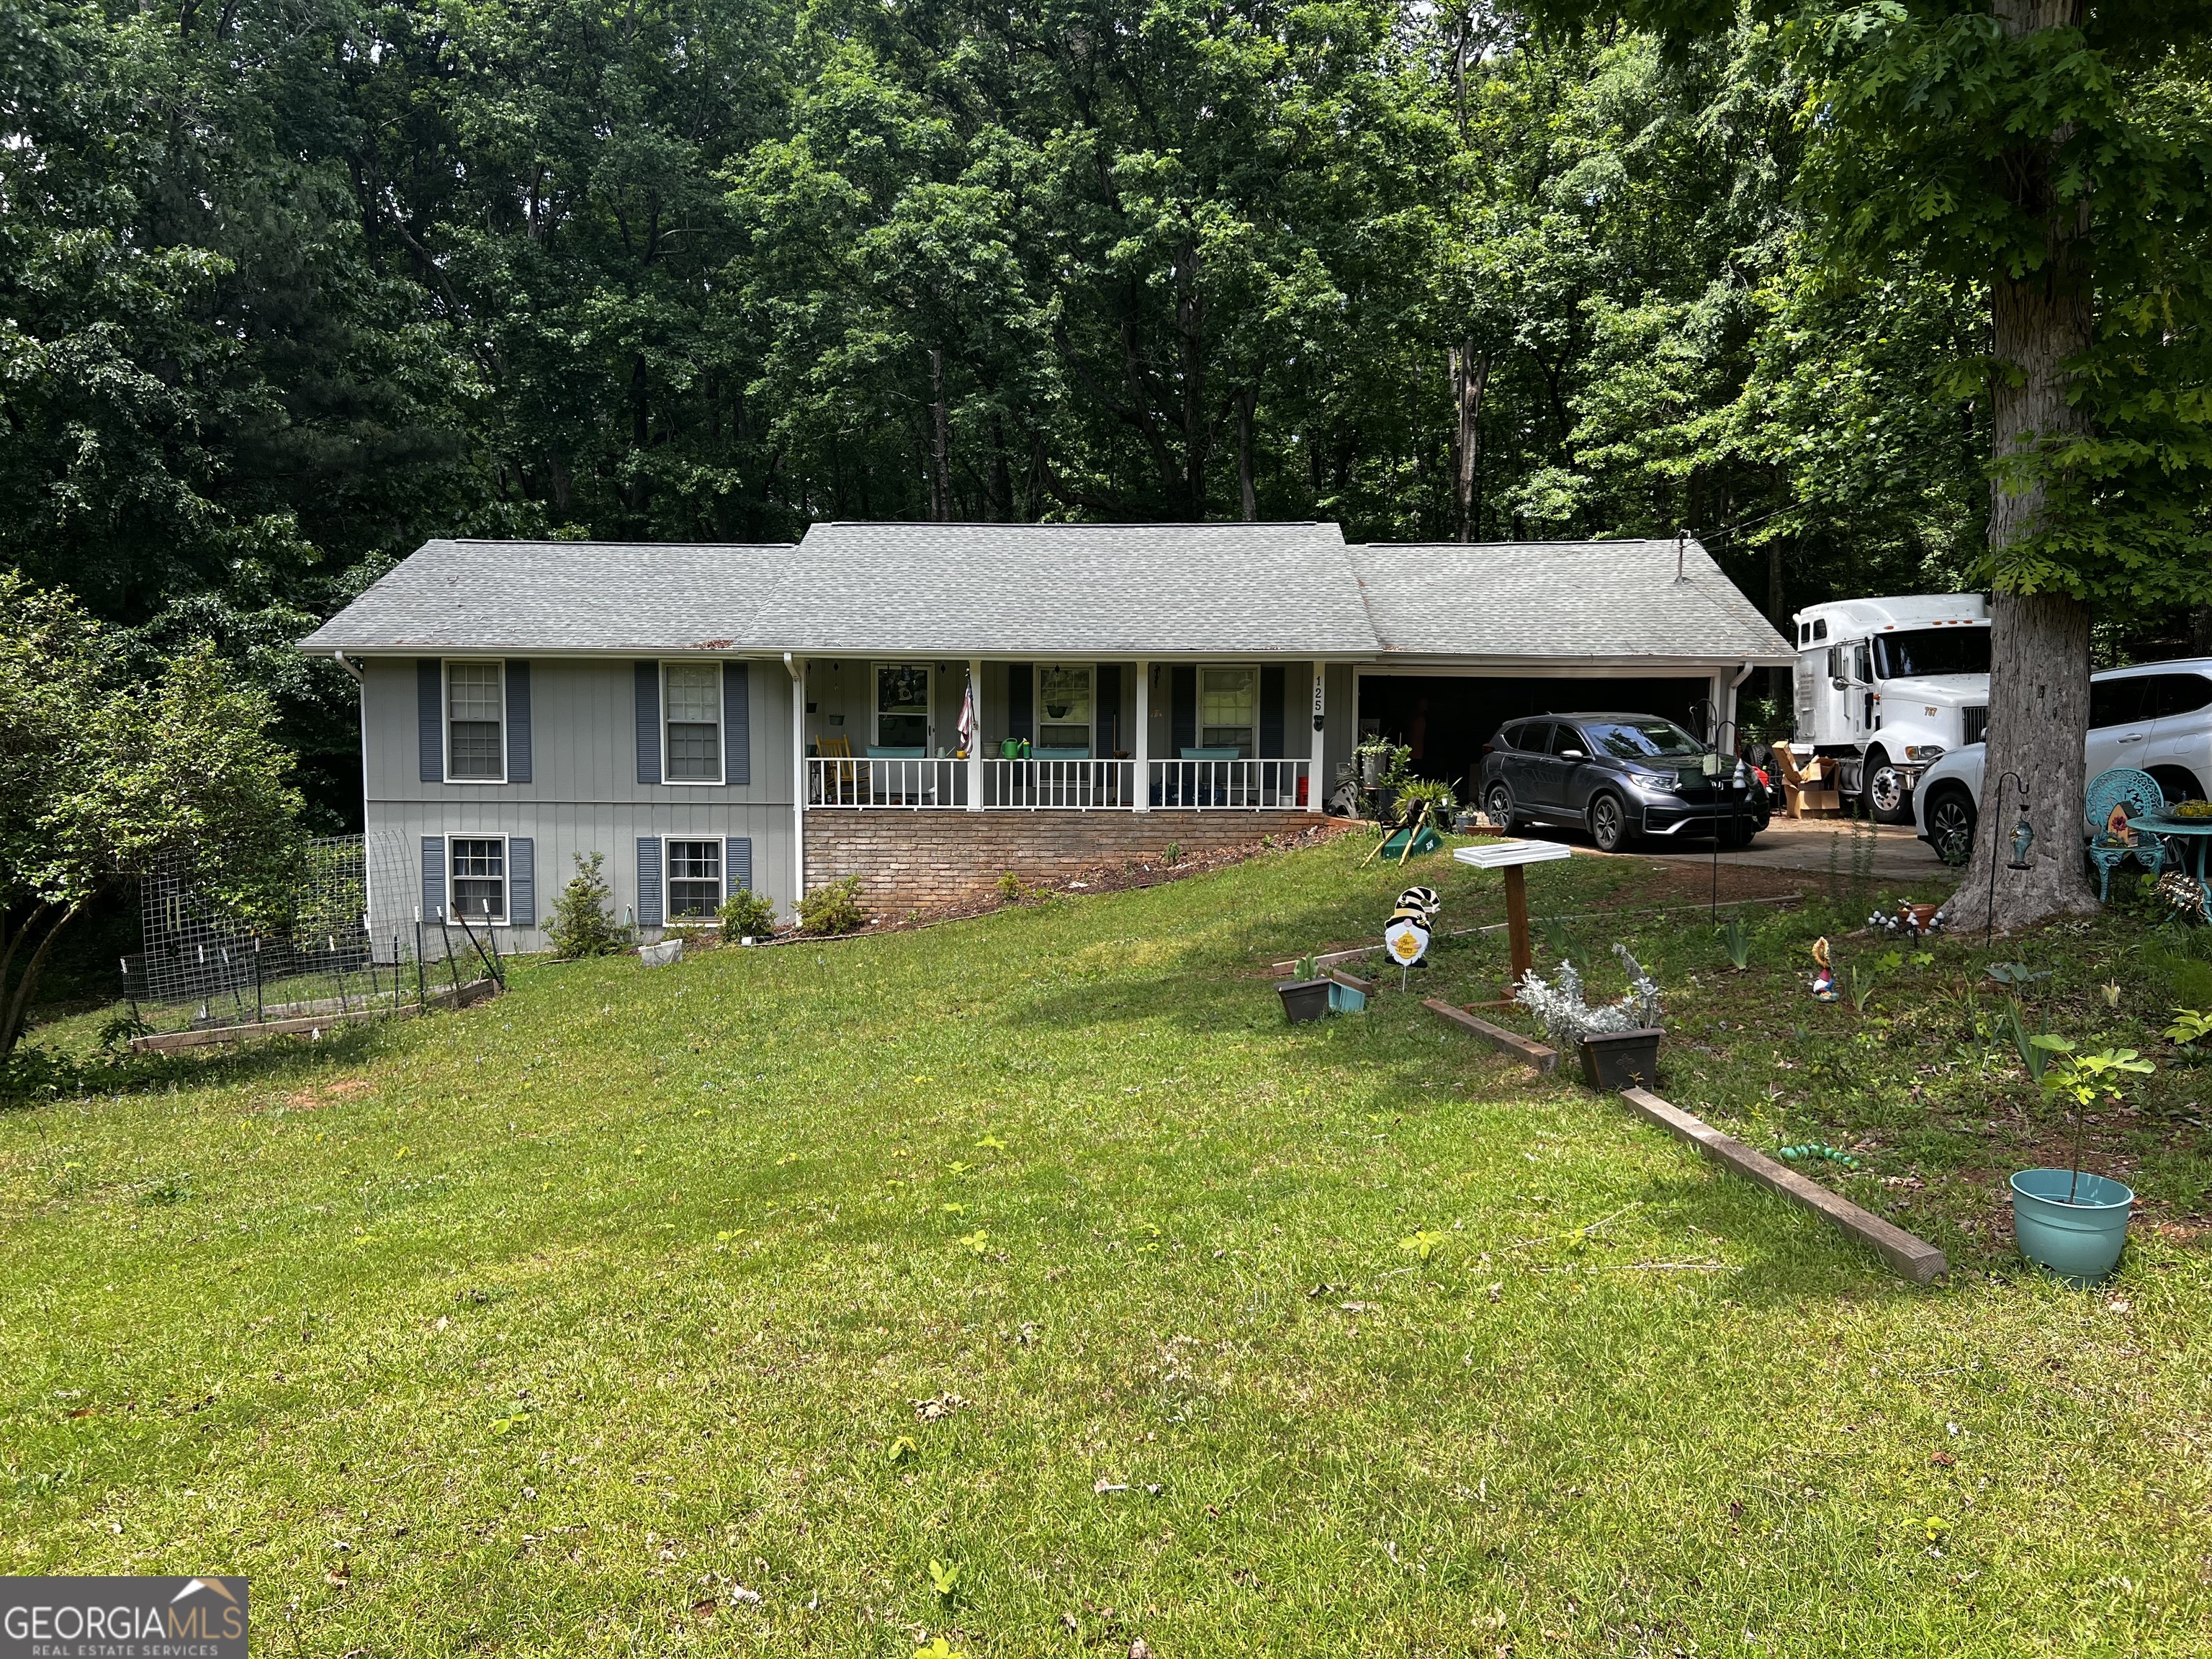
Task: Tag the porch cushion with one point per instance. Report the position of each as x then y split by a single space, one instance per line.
1227 753
877 751
1064 751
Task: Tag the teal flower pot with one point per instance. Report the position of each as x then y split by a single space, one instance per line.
2080 1241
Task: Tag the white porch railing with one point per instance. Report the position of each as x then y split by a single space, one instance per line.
831 781
1230 785
1061 785
1043 785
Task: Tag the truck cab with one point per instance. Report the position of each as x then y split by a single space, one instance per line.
1888 686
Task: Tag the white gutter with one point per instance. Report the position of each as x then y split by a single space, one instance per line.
352 668
798 672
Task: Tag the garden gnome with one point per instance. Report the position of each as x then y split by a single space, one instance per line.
1824 979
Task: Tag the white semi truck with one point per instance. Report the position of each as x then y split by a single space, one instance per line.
1887 687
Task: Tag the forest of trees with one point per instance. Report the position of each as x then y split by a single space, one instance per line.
291 285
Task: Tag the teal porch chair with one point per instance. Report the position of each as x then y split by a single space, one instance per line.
2117 799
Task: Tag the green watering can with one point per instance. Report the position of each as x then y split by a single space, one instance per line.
1013 748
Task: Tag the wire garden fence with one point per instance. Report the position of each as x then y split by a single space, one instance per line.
336 951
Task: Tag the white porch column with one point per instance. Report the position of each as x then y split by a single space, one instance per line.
797 669
1143 750
1317 791
975 737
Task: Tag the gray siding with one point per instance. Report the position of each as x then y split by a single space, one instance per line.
583 795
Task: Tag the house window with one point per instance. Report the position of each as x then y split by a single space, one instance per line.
479 877
1063 702
695 880
903 706
1228 708
476 751
693 700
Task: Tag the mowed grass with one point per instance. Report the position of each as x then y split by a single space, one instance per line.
549 1326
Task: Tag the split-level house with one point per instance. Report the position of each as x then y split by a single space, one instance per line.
928 706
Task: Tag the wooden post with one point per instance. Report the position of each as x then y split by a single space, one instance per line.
1516 926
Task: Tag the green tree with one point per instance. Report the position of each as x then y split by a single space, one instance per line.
99 774
2056 157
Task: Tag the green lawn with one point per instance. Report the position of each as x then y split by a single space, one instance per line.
543 1327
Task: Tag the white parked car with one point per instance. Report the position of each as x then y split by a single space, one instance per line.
2155 717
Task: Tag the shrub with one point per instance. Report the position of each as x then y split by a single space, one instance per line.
835 909
746 915
583 923
1010 886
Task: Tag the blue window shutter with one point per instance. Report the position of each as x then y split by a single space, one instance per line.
434 878
1021 697
521 882
518 721
1182 709
737 722
1107 713
1271 712
648 725
430 717
738 865
648 881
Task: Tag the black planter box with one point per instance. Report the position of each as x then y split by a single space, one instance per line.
1622 1059
1304 998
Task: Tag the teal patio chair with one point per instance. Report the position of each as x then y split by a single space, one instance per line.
2117 799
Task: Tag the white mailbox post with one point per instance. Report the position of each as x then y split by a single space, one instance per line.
1512 856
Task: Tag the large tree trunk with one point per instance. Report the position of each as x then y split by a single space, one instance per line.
2039 645
1470 373
1248 403
940 443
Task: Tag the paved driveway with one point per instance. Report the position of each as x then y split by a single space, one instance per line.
1801 844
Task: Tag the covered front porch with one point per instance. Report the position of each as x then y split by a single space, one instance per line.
1117 735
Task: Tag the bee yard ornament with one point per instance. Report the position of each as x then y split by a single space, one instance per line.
1406 936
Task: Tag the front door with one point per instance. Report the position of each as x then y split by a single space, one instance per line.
902 706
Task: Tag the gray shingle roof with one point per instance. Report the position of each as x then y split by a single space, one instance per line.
1071 589
1061 590
1536 600
560 596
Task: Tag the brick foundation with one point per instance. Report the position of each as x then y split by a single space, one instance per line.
928 859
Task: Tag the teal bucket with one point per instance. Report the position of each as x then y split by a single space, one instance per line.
2080 1241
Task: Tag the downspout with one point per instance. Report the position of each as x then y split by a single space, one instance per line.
1741 675
798 672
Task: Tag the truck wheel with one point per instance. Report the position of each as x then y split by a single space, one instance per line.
1608 822
1499 803
1888 797
1951 826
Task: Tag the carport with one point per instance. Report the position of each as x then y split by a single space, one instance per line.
1445 718
1475 635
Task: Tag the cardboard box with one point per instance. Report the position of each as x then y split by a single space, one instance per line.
1803 801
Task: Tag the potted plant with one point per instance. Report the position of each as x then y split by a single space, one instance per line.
2070 1221
1305 996
1619 1041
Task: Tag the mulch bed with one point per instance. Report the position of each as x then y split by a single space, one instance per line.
1122 876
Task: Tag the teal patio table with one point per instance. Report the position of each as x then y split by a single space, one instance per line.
2194 833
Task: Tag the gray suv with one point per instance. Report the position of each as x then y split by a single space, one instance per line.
1618 776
